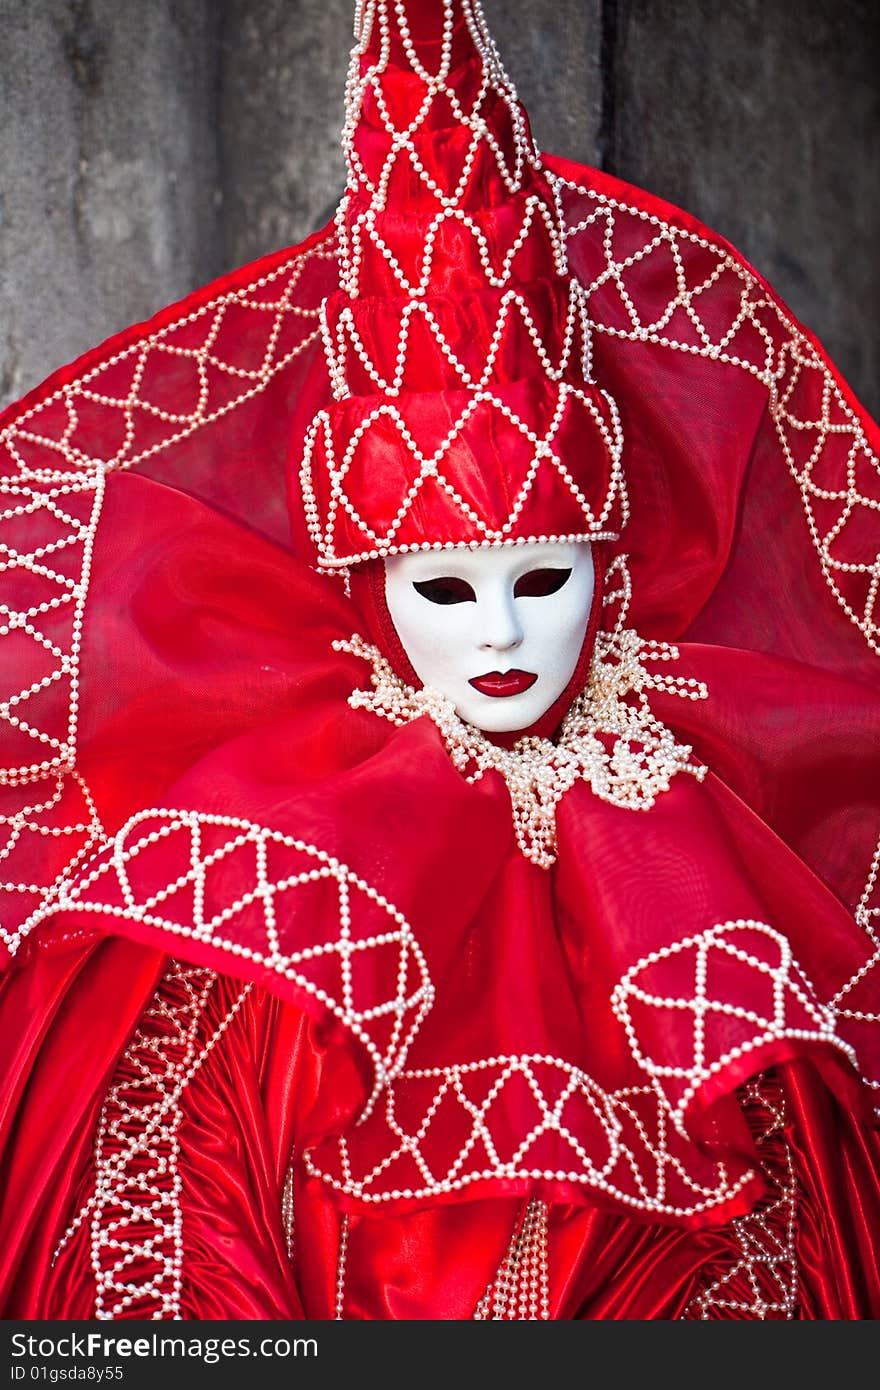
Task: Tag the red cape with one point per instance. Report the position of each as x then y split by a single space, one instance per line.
187 781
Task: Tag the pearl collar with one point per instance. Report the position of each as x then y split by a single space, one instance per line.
609 738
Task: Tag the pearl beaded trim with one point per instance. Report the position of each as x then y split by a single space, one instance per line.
789 1005
342 510
60 810
634 1153
821 439
638 1152
631 1145
42 446
52 488
275 877
288 1215
609 739
760 1279
822 442
495 83
341 1268
851 1019
512 308
359 224
520 1290
134 1212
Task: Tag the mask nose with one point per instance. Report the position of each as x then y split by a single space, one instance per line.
500 626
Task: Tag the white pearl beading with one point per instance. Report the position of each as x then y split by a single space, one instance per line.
639 1149
400 141
197 904
137 1184
347 340
636 1148
61 590
341 1268
847 1013
609 738
323 530
795 1010
51 497
65 819
498 264
822 442
821 439
788 358
74 465
498 273
520 1290
761 1277
288 1215
765 1265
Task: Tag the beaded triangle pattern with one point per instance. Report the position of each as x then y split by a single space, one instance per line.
760 1277
52 489
718 310
609 738
485 413
242 891
425 362
444 1129
121 398
758 1280
382 27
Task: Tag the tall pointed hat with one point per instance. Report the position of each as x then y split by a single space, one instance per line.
464 409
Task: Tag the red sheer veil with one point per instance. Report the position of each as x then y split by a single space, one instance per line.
172 684
751 467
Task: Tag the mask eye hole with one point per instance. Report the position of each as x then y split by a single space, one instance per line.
540 583
446 590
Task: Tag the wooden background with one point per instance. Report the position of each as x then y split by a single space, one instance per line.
148 145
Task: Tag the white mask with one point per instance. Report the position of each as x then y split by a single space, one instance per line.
513 611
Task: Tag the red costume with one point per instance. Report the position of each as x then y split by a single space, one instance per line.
322 1003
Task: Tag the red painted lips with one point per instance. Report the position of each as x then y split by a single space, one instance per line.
503 683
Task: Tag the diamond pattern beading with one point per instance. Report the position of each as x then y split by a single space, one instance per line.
717 310
761 1277
451 145
778 1001
119 399
241 889
51 496
447 1128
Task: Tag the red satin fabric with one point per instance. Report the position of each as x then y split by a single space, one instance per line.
458 334
236 631
209 684
243 1115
